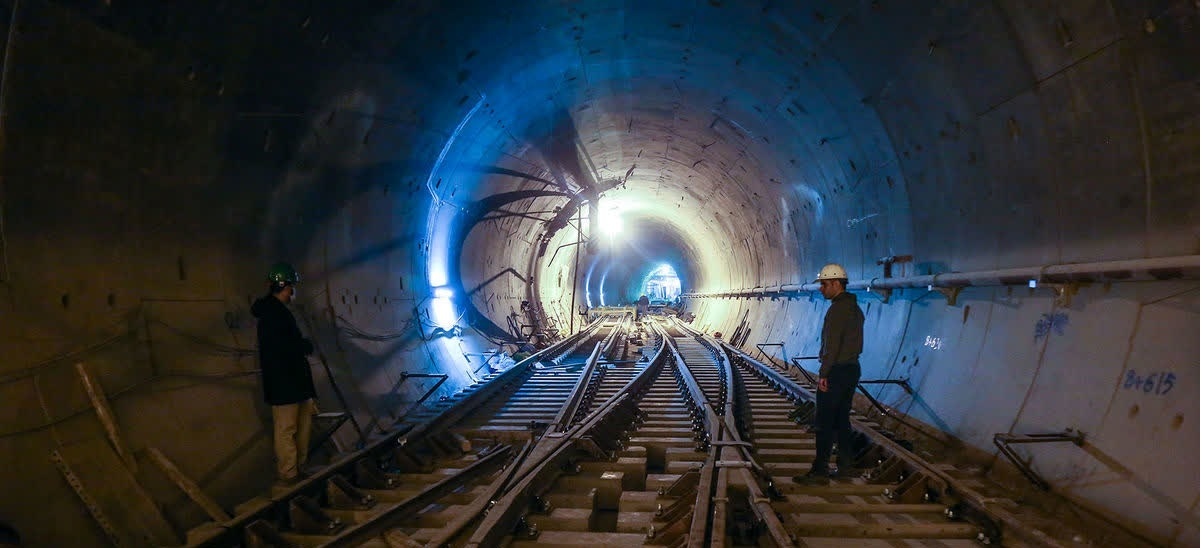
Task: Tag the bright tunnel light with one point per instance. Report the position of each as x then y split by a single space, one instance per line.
442 308
610 217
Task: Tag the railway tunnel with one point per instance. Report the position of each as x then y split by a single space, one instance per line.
1011 185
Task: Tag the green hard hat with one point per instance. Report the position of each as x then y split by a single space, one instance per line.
282 274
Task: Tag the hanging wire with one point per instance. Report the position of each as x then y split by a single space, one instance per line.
351 330
182 375
215 347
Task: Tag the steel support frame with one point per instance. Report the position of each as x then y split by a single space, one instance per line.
1003 441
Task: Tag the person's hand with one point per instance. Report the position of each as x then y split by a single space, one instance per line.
822 384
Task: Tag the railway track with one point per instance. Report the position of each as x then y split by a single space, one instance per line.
680 441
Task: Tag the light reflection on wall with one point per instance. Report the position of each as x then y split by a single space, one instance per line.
442 308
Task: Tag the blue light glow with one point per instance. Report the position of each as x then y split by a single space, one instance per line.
440 221
442 308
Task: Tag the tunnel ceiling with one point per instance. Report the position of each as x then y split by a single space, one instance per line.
717 120
774 137
769 137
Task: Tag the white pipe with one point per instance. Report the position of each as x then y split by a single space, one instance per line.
1184 267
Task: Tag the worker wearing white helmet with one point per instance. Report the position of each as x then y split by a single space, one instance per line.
842 342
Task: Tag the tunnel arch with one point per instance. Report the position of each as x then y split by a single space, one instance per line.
408 151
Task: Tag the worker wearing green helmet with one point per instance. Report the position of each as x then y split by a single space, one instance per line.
282 275
287 381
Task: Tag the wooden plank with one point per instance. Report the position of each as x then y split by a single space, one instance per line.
107 418
792 507
188 486
123 509
102 519
938 530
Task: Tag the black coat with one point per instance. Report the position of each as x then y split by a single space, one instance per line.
282 351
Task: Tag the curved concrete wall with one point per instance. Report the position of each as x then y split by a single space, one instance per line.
156 160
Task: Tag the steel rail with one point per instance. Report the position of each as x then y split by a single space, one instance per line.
537 473
382 523
577 339
567 411
231 532
543 465
726 433
379 524
636 385
988 506
481 504
386 520
699 527
759 502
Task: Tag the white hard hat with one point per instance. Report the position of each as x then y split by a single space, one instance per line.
831 271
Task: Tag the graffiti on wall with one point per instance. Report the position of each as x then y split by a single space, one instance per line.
1158 383
1051 323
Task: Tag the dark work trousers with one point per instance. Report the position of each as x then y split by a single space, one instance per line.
834 411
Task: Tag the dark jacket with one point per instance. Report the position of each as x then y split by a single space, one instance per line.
282 351
842 333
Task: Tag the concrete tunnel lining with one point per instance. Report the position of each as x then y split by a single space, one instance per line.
765 140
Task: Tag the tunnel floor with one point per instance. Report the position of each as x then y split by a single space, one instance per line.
628 433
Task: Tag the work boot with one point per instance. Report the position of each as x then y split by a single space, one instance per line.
813 477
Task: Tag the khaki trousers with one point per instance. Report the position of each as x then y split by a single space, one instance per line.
293 425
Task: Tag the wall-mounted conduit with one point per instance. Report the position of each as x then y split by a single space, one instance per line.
1063 278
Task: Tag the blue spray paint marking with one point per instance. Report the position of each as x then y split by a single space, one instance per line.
1051 322
1158 383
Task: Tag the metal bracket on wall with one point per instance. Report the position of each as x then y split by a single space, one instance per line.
904 383
1064 292
883 293
1003 441
949 293
442 378
760 347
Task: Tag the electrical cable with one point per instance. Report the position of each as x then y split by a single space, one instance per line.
353 331
130 388
54 360
217 348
